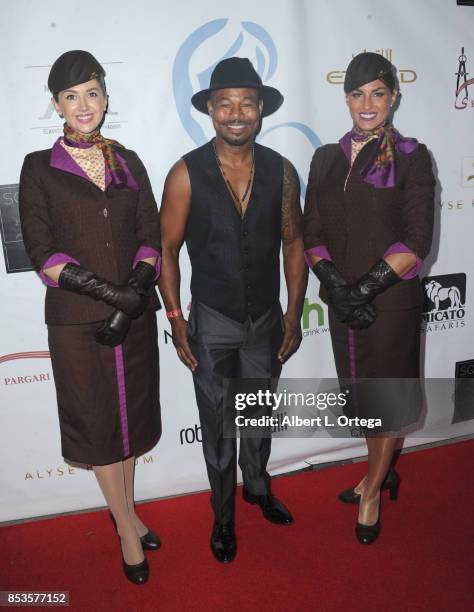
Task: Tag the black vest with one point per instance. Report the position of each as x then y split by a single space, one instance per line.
235 262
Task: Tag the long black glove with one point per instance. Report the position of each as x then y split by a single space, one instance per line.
79 280
114 330
377 280
356 313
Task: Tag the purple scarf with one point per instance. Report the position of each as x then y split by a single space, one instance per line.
380 169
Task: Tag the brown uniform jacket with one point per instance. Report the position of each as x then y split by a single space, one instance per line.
62 212
359 224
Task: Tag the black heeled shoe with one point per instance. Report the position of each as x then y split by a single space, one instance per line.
391 483
367 534
150 541
138 573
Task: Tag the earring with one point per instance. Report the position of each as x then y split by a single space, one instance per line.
61 115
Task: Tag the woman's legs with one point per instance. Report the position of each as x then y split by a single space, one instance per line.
380 452
112 481
129 475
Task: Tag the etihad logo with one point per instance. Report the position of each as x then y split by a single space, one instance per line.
461 99
445 306
405 75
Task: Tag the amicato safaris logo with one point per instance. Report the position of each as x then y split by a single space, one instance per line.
445 302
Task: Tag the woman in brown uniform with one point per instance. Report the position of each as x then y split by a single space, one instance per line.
90 226
368 225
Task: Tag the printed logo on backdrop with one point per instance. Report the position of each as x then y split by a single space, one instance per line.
25 379
48 121
313 319
464 391
14 254
61 472
405 75
252 41
463 98
467 172
445 302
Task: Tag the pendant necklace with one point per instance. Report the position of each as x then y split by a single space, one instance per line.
239 202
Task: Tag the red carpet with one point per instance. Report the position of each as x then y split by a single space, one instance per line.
423 559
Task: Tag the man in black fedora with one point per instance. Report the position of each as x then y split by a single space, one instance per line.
235 203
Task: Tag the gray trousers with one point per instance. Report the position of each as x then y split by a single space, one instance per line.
227 349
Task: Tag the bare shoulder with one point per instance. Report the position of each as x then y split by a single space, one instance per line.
177 181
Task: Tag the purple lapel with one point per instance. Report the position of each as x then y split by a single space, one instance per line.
61 160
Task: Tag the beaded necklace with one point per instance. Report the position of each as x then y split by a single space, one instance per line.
239 202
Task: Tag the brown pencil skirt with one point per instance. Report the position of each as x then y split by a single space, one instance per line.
381 364
108 398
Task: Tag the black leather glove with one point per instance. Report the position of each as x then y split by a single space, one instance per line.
356 313
142 278
79 280
114 330
377 280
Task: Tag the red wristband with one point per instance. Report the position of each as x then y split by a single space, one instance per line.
174 314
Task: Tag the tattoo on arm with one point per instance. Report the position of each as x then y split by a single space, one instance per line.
291 215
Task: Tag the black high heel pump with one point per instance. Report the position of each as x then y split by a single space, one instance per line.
391 483
150 541
366 534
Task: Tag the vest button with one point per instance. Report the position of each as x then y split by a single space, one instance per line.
108 245
105 212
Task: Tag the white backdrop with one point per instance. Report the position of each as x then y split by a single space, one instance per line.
156 54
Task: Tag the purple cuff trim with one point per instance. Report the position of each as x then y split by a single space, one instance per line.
122 397
143 253
55 260
319 251
399 247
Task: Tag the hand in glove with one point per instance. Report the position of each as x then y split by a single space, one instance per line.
114 330
377 280
79 280
356 313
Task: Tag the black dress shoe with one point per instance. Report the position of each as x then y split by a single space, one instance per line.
391 483
150 541
273 510
223 541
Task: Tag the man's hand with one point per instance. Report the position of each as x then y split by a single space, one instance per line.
180 340
291 339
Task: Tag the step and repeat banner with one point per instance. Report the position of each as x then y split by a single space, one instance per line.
156 55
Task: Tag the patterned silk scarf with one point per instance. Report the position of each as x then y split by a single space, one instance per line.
118 174
380 170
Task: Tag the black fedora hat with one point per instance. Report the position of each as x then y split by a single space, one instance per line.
237 72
